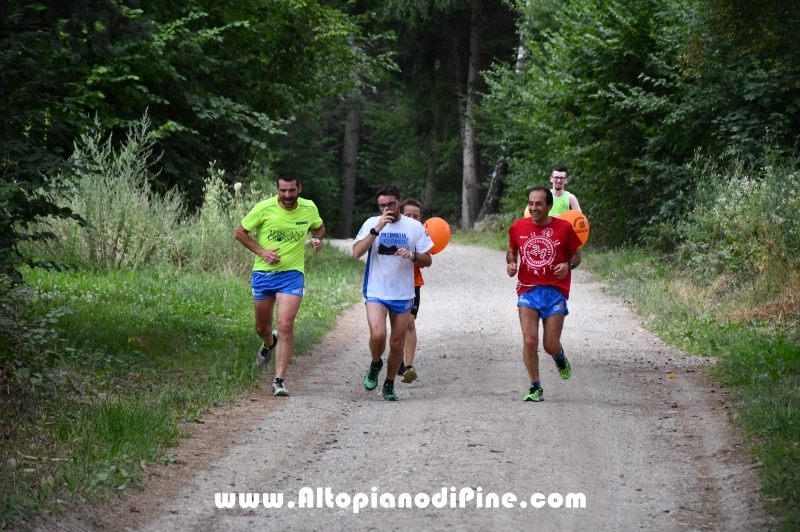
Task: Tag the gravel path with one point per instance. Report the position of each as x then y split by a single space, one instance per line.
648 451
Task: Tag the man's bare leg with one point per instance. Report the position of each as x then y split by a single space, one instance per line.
553 326
552 343
264 309
397 340
288 307
529 321
376 319
411 342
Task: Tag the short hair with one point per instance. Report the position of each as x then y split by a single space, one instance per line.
388 190
287 177
546 190
413 203
559 168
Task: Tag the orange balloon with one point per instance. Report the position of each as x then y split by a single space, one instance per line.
579 223
439 231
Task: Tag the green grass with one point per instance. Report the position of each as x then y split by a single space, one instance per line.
142 352
496 241
758 360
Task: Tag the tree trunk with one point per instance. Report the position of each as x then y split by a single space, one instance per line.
352 130
469 188
430 186
492 201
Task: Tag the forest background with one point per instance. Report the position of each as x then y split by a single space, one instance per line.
135 134
463 104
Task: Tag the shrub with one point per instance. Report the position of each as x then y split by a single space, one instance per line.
28 342
128 225
744 223
205 241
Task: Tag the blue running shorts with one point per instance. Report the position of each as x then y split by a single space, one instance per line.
267 284
395 306
546 300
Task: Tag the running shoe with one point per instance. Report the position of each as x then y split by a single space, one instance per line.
371 380
535 393
279 388
410 374
265 353
388 391
564 368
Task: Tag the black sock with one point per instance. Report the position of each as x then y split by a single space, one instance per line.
378 364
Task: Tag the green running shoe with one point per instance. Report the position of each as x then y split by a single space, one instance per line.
409 375
388 391
564 368
371 380
535 393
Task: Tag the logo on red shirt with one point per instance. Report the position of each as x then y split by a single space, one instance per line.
538 252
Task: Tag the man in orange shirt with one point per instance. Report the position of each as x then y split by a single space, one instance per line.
412 209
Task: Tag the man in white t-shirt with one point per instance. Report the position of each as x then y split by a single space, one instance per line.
395 244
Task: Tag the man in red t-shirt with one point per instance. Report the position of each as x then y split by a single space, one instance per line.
547 249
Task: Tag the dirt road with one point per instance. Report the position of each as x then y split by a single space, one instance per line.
647 451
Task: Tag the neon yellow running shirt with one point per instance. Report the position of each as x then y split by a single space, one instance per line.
282 229
560 205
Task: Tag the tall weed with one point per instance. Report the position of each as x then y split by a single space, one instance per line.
744 226
128 224
205 241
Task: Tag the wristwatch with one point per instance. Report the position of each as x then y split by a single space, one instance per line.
373 232
571 266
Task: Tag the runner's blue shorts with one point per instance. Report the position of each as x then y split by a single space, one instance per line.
267 284
395 306
546 300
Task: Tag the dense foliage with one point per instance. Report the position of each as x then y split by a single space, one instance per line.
219 81
625 93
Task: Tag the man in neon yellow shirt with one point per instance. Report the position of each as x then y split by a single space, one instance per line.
563 201
282 223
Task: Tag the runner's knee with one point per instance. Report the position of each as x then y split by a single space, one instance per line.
532 342
263 328
397 343
553 347
377 337
285 328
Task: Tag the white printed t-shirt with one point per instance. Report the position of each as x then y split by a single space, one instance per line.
390 277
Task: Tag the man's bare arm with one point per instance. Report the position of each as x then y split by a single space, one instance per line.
243 235
573 203
423 260
363 245
316 237
511 261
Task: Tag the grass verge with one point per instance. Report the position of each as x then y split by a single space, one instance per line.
759 360
491 240
143 352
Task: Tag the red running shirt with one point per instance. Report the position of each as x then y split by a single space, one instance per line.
541 248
